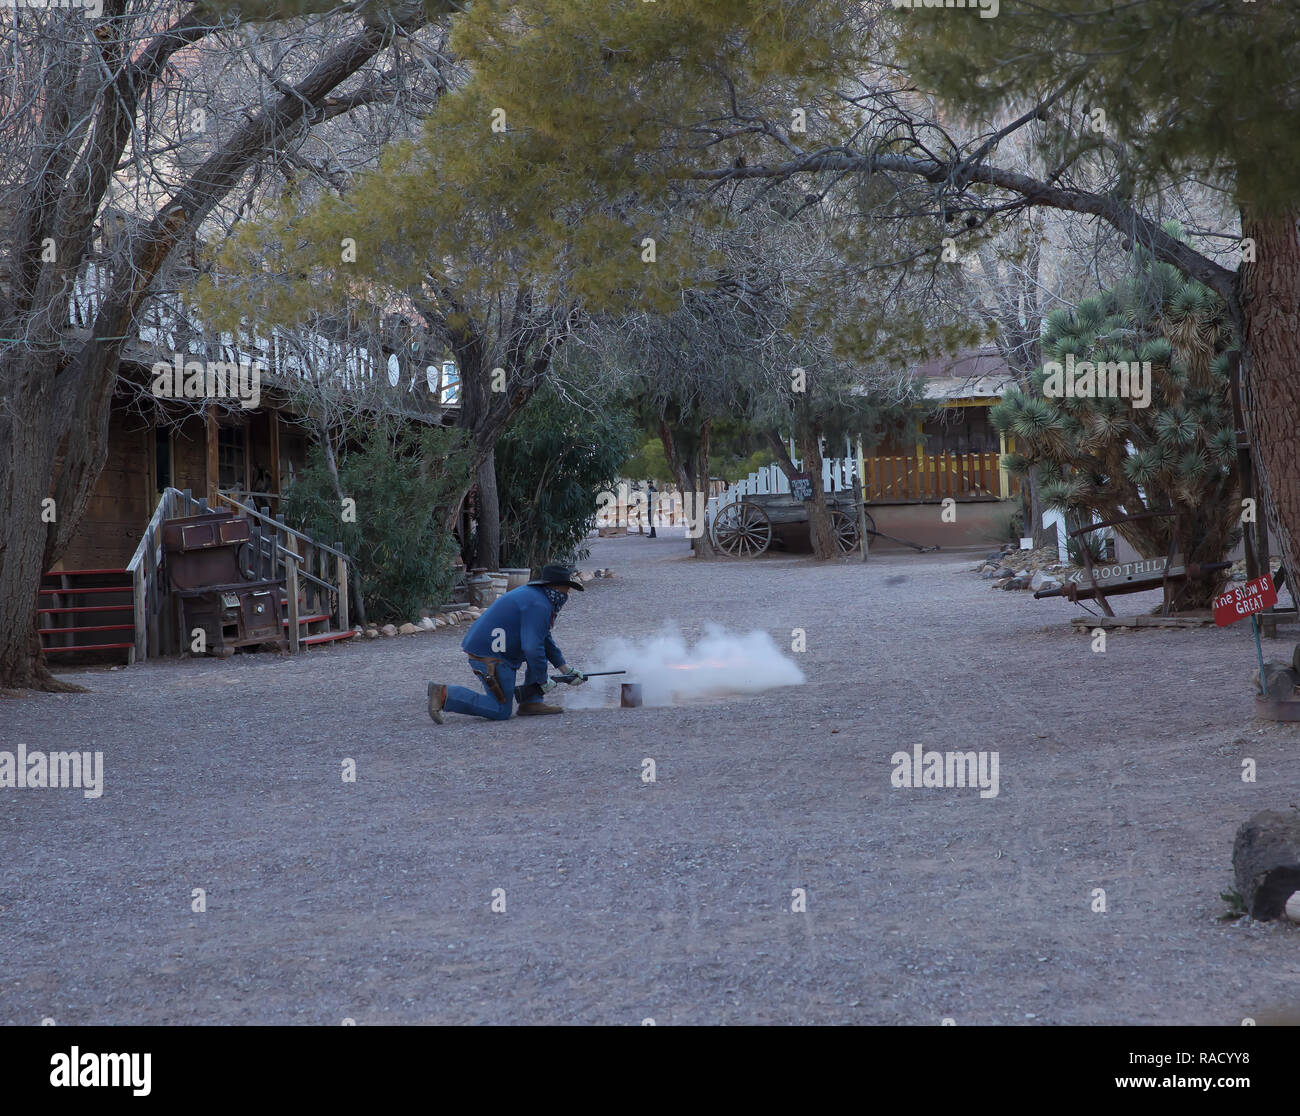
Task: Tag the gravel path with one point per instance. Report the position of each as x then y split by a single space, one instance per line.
625 900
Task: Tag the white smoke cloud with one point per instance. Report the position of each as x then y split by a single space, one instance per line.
670 672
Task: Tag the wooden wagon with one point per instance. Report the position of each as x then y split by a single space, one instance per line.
749 524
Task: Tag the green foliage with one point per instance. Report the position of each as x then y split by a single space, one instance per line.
649 463
550 466
403 482
1102 457
1209 87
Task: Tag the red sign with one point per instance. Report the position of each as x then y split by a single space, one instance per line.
1243 600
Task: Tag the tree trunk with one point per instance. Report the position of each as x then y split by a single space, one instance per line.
820 531
685 473
1270 305
27 455
703 544
487 551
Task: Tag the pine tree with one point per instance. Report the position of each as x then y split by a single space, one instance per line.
1103 457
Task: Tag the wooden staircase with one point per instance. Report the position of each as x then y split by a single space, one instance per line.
315 576
87 610
313 627
133 610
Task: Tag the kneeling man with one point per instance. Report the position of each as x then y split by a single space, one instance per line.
516 628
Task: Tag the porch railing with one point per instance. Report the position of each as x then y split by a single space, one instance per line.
155 634
320 571
933 477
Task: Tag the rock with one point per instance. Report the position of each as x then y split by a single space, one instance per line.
988 574
1282 680
388 631
372 633
408 629
1041 580
439 622
449 618
1016 583
598 573
609 574
996 556
1005 571
1001 583
426 622
1266 862
1022 573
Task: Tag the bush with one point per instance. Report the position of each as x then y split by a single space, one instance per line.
551 464
403 483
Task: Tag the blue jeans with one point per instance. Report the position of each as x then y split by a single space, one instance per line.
461 699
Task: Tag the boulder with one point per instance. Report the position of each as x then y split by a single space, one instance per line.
426 622
608 574
408 629
1282 680
388 631
1016 583
1041 580
450 618
372 633
1266 862
1004 571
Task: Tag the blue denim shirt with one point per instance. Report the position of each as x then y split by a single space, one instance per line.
524 617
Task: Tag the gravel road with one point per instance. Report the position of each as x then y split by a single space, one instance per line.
625 900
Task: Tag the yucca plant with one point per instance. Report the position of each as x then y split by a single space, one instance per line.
1102 457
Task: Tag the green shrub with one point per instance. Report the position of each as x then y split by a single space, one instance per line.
551 464
403 483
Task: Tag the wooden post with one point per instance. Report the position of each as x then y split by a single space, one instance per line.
341 565
140 651
862 517
291 595
213 463
274 417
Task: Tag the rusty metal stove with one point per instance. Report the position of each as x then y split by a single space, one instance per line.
210 588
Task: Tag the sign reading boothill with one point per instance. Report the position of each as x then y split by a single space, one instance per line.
1243 600
1119 573
801 487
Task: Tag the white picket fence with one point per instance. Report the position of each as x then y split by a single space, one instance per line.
837 476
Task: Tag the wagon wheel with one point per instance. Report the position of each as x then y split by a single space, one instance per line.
845 527
742 530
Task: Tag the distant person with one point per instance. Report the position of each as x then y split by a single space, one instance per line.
515 629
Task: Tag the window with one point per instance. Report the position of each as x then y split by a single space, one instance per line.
162 457
961 430
231 442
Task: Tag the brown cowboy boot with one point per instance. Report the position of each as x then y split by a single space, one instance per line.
537 709
437 699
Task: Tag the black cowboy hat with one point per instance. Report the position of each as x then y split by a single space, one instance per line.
558 575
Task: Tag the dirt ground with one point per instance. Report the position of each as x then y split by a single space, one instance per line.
625 900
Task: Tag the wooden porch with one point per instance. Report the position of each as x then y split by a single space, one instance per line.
911 478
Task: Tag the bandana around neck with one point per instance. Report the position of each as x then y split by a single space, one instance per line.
557 600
